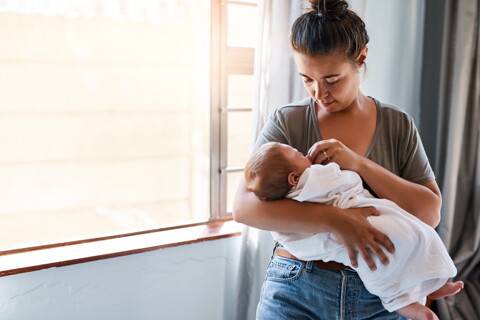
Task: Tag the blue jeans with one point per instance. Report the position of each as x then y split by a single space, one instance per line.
296 290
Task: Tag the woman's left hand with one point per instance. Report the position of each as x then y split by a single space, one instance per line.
332 150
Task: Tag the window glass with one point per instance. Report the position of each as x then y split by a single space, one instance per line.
104 119
233 179
240 95
247 1
240 90
242 26
239 137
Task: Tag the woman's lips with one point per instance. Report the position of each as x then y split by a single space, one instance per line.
326 104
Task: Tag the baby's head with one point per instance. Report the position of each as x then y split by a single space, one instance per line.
274 169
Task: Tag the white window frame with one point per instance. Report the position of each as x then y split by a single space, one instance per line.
225 60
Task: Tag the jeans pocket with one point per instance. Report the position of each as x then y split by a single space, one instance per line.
284 269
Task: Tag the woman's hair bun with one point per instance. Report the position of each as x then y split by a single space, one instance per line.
328 26
330 9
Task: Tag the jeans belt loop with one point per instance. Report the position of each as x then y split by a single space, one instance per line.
309 266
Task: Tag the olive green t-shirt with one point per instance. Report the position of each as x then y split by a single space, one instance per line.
396 144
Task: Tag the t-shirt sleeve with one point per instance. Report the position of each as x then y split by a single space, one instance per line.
272 131
414 164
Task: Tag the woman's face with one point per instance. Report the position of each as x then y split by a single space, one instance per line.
331 80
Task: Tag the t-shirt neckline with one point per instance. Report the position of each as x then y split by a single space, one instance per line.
377 124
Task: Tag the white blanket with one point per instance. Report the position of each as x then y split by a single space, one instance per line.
420 264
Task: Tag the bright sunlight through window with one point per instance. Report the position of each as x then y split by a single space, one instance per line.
106 116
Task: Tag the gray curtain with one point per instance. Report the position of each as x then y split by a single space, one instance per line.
451 125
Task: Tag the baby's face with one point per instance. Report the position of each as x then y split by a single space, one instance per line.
296 158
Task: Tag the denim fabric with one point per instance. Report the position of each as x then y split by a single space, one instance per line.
295 290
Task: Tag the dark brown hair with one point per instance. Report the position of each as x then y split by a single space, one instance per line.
327 27
266 172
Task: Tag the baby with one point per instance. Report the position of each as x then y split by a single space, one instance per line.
420 266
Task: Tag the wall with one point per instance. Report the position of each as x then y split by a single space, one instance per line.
394 60
187 282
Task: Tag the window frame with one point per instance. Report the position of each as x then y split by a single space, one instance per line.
225 60
24 260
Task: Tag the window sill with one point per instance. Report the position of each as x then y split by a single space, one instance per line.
34 259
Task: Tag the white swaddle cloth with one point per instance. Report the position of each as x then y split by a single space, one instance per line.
420 264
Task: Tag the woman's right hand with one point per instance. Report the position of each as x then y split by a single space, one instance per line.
352 228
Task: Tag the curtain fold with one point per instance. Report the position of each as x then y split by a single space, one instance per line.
276 78
458 154
276 84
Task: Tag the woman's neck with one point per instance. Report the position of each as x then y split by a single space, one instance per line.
354 126
361 105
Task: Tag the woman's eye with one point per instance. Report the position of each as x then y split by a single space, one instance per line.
332 82
306 80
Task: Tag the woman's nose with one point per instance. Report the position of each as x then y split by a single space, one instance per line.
320 92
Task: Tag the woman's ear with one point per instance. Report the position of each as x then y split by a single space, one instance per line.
293 178
362 57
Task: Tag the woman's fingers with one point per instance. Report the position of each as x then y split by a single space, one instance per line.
314 157
366 252
385 242
369 211
319 149
367 257
322 156
376 248
352 254
332 150
361 238
379 237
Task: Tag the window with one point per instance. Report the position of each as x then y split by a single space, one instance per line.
234 96
118 116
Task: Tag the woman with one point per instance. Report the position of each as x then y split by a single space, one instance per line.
337 123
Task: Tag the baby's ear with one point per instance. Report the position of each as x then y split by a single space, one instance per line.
293 178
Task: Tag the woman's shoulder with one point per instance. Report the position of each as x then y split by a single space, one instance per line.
391 110
293 113
294 124
296 108
394 116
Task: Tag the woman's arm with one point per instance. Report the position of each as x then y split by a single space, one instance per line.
423 201
350 226
284 215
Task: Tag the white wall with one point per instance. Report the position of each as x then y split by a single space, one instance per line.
394 59
191 282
